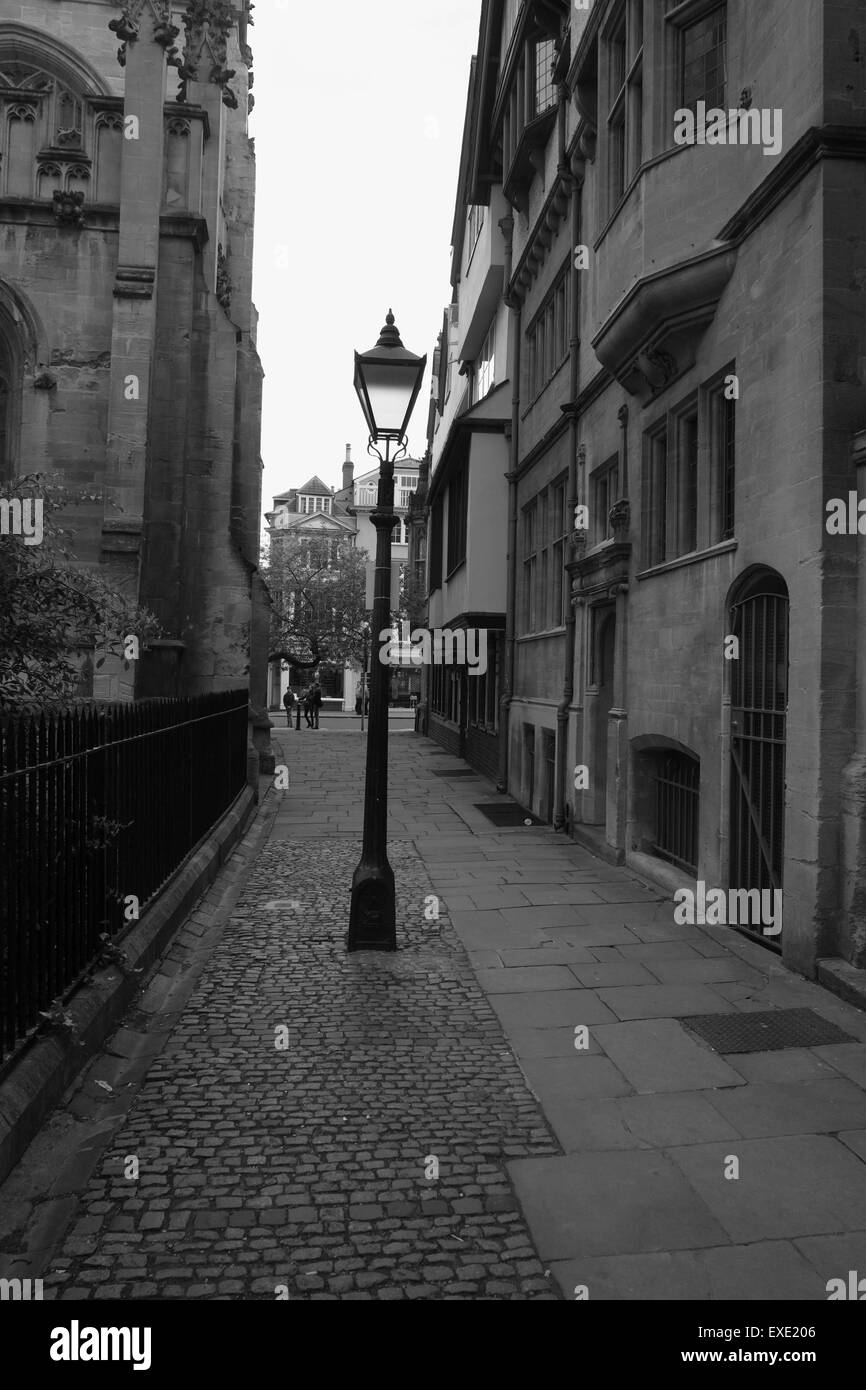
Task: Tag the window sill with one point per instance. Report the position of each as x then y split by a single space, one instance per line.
695 557
451 573
542 635
598 547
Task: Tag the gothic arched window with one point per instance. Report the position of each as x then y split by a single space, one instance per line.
46 123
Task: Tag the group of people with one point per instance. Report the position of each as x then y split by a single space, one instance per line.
310 701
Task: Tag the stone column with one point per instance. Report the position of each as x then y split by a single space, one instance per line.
145 26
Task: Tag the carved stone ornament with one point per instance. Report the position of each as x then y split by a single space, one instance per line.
208 24
128 27
619 517
69 209
663 363
223 281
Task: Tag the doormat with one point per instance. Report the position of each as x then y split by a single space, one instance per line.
454 772
506 814
769 1030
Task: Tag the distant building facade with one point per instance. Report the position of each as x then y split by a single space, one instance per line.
684 252
466 497
343 514
128 360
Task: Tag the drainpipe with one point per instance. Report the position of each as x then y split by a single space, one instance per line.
563 710
514 318
622 416
852 945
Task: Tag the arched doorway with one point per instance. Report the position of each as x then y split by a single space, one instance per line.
759 703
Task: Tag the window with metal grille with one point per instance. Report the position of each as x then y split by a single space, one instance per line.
473 230
484 377
624 45
436 538
703 51
529 762
420 559
687 530
483 691
688 476
759 700
545 88
530 562
656 495
548 745
727 464
604 491
458 504
559 523
677 810
548 336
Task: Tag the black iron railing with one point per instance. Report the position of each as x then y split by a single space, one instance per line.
99 806
678 796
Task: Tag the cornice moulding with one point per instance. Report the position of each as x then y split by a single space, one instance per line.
819 142
651 337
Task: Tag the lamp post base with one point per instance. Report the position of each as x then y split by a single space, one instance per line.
373 913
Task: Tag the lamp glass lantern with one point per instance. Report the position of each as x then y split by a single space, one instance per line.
388 379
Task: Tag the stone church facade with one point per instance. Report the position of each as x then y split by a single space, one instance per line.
128 359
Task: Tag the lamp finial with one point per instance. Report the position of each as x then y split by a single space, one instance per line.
390 335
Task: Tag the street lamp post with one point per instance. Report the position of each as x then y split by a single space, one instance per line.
387 379
364 676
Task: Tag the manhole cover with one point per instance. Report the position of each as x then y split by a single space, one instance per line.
767 1031
454 772
506 813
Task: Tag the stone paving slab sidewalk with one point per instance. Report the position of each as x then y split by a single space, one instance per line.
309 1166
639 1206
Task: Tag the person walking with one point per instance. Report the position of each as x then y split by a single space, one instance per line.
316 702
288 701
307 699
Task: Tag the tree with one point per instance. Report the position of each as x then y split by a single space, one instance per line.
318 589
53 610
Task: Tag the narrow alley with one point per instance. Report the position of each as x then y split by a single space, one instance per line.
511 1107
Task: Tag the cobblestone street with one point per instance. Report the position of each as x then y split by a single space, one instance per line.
361 1153
278 1118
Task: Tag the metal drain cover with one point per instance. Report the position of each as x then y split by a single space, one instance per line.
769 1030
506 813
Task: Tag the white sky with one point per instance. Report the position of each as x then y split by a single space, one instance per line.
358 124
